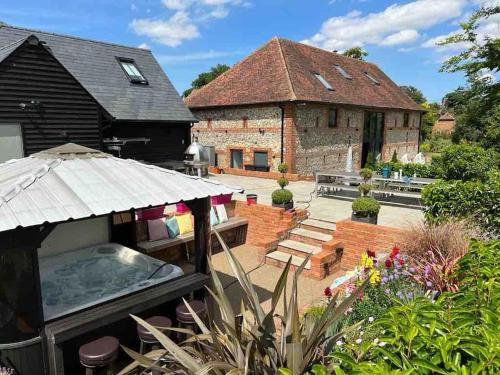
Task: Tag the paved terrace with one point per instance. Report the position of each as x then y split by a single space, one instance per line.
321 208
264 276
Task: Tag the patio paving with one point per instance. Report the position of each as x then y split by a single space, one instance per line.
264 278
330 209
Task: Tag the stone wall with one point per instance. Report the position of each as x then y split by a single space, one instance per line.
308 143
321 147
244 128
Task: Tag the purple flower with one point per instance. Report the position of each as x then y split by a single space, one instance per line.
429 284
412 270
387 291
410 295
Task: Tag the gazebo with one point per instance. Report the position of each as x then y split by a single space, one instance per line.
75 184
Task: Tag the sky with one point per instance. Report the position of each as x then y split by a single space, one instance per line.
189 36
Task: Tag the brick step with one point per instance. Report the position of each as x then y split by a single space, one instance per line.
310 237
320 226
281 257
298 248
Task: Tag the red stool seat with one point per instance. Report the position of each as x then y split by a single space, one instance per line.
183 314
100 352
156 321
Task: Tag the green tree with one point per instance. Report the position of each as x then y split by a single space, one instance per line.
429 118
206 77
476 106
356 53
414 93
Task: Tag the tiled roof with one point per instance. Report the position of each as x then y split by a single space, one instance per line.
74 182
95 66
283 70
447 116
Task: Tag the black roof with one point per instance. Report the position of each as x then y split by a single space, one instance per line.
94 64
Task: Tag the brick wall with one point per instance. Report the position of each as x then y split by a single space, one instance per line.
357 237
404 140
267 224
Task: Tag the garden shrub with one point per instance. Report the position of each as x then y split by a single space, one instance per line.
435 249
283 167
473 200
282 182
365 188
366 173
281 196
366 206
420 170
465 162
393 166
455 333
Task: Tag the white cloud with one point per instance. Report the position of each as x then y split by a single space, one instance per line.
356 29
401 37
171 32
144 46
198 56
488 28
183 24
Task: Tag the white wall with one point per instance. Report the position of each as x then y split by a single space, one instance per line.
75 235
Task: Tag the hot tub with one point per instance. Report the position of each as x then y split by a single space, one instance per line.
78 279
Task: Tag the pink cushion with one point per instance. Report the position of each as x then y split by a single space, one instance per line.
221 199
151 213
182 208
157 230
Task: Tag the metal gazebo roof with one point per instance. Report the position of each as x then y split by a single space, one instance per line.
73 182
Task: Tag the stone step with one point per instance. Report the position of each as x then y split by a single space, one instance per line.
310 237
298 248
316 225
283 258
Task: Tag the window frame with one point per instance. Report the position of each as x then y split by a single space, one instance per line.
261 152
336 122
406 119
374 80
343 72
142 80
323 81
231 161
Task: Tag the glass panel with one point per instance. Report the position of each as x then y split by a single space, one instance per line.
332 118
343 72
373 79
260 158
237 159
132 70
323 81
19 309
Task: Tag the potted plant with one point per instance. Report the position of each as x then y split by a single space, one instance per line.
282 197
365 210
365 189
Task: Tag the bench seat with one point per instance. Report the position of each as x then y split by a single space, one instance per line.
152 246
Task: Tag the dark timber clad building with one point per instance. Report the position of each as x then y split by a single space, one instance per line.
56 89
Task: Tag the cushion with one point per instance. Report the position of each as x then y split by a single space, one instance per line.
181 208
221 199
157 230
150 213
214 220
221 213
185 224
172 227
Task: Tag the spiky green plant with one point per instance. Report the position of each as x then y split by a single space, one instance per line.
247 342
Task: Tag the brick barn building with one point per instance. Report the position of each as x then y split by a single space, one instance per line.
302 105
445 124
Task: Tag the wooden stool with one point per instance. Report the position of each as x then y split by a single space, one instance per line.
146 337
99 353
184 317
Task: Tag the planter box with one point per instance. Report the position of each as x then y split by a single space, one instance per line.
364 219
257 168
286 206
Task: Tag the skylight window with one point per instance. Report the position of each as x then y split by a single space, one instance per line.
132 71
372 78
343 72
323 81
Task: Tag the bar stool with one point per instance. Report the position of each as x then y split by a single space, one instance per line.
184 317
99 353
146 337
